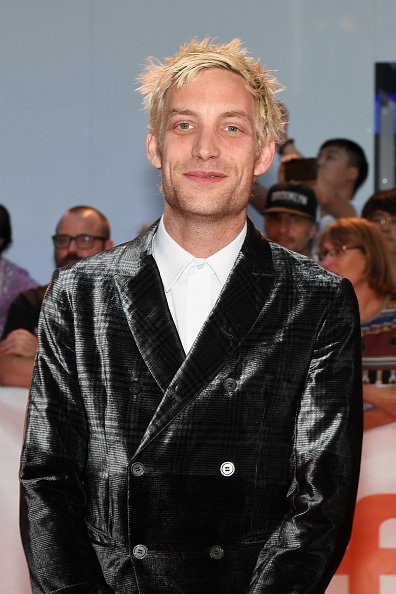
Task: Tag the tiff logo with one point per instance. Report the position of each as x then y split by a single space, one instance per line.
364 561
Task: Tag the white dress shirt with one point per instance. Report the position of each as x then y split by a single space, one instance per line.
192 285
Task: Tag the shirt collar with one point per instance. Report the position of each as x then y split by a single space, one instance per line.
172 260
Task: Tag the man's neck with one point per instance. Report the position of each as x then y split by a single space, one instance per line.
201 236
306 252
342 194
346 191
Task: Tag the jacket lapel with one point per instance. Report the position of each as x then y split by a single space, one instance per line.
240 303
150 321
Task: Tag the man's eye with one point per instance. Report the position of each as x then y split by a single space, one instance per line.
232 128
183 126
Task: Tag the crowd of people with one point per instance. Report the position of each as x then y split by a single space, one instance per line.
362 249
81 232
294 217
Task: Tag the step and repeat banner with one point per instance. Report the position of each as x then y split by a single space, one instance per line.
369 566
14 577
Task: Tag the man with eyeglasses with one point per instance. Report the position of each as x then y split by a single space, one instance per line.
380 208
81 232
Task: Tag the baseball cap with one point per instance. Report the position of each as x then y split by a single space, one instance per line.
293 198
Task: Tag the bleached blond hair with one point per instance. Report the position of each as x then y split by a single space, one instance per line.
195 56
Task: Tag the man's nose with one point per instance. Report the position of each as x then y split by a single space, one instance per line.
385 226
284 225
206 145
72 247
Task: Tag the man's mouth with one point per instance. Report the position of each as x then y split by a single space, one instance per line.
205 177
69 259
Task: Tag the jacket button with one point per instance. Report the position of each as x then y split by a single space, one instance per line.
230 384
137 469
227 468
139 551
216 552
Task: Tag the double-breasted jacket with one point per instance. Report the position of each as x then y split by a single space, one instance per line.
230 470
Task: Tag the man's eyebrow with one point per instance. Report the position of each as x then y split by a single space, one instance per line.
235 113
180 111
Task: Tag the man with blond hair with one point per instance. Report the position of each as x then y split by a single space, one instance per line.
194 422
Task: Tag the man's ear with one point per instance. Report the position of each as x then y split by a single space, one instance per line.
313 231
109 243
353 173
265 158
152 150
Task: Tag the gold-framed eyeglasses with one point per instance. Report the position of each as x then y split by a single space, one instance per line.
338 252
83 241
383 220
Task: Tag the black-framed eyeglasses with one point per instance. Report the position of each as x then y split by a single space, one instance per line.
83 241
338 251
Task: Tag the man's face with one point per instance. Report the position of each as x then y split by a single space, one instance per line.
79 224
290 230
334 168
208 154
386 223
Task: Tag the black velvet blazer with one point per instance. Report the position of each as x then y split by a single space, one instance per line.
232 470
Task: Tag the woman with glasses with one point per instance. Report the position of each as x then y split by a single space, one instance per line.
354 248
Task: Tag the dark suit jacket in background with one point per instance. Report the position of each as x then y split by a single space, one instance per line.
126 436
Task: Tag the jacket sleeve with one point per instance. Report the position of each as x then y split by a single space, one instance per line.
304 552
59 553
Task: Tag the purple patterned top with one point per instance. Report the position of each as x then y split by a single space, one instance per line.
13 280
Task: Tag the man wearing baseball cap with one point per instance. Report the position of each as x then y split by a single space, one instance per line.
290 217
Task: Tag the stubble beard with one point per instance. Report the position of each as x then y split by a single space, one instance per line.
215 204
66 260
